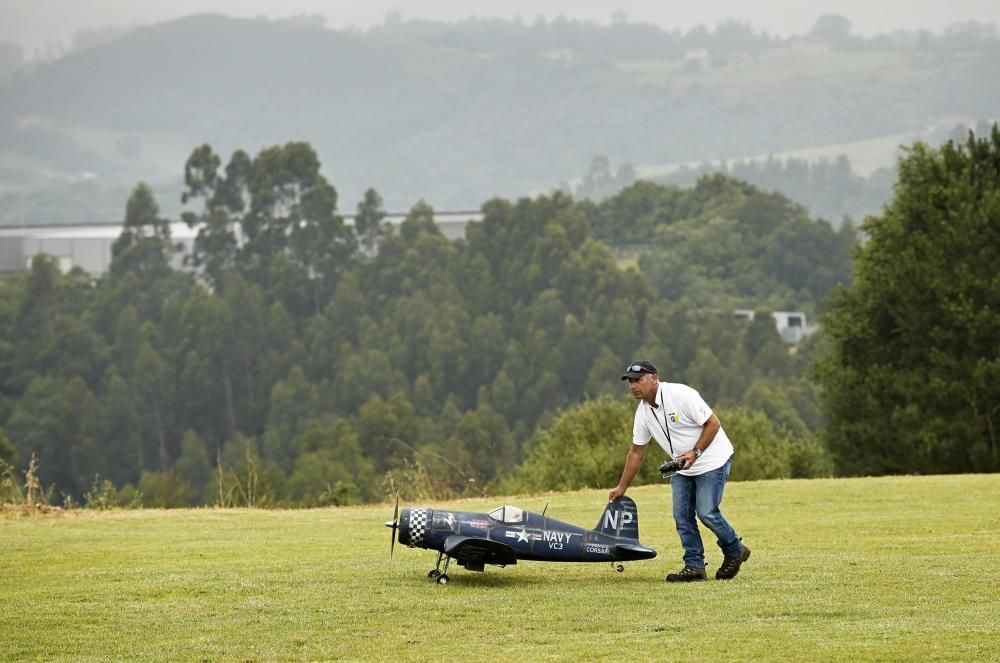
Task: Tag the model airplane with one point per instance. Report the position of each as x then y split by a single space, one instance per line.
508 533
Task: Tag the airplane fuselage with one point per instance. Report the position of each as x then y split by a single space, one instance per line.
530 536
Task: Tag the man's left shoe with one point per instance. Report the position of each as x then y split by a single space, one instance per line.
731 565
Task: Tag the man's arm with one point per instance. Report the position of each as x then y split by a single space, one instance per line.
632 464
708 432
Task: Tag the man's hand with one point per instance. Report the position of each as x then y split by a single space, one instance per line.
615 493
688 457
632 462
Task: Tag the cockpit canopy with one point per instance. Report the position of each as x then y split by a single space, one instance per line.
507 514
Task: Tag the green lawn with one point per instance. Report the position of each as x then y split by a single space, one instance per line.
898 568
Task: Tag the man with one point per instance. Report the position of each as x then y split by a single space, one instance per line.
682 423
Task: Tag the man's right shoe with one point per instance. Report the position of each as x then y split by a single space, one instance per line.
687 574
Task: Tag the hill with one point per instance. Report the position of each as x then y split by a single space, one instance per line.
457 113
852 569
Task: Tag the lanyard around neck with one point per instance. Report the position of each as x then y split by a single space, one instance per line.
665 425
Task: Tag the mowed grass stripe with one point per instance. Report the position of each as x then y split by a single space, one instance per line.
898 568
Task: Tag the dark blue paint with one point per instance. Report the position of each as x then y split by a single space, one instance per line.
508 534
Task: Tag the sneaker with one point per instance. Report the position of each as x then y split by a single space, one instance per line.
731 565
687 574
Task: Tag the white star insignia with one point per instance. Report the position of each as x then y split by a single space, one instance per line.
520 536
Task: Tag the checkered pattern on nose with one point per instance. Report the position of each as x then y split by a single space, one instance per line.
418 525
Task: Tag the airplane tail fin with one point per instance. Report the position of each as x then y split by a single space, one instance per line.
621 519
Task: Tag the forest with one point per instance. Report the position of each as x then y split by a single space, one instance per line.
298 360
292 364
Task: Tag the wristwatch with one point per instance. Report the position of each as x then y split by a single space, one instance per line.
697 452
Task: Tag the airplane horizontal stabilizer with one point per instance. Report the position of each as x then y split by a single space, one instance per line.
627 552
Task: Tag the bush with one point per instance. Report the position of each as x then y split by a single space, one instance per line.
10 487
243 479
31 494
585 446
103 495
163 490
766 451
809 459
319 480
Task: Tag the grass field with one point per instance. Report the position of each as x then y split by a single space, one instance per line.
903 568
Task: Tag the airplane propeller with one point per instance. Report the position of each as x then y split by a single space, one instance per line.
394 524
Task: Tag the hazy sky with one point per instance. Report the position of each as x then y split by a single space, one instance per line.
32 23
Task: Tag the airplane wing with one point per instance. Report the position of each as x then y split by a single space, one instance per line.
479 550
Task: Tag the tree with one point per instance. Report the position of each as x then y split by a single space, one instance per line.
706 374
368 224
776 405
490 445
216 246
122 456
207 377
50 335
320 243
420 219
144 245
832 28
912 369
155 395
599 182
194 467
390 430
293 401
56 420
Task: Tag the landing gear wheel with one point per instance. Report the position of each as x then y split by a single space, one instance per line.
433 573
619 568
442 579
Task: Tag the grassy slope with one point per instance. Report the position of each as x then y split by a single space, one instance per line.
889 568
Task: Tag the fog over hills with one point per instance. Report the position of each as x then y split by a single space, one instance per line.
57 24
458 112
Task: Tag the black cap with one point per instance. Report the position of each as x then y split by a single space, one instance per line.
637 368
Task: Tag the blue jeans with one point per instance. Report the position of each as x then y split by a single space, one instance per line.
701 495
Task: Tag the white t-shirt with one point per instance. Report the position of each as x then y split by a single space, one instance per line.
682 410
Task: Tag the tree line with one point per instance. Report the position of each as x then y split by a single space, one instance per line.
297 359
295 364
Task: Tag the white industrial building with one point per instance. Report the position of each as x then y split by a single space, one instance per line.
791 325
89 246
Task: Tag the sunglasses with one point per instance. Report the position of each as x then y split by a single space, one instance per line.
636 368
